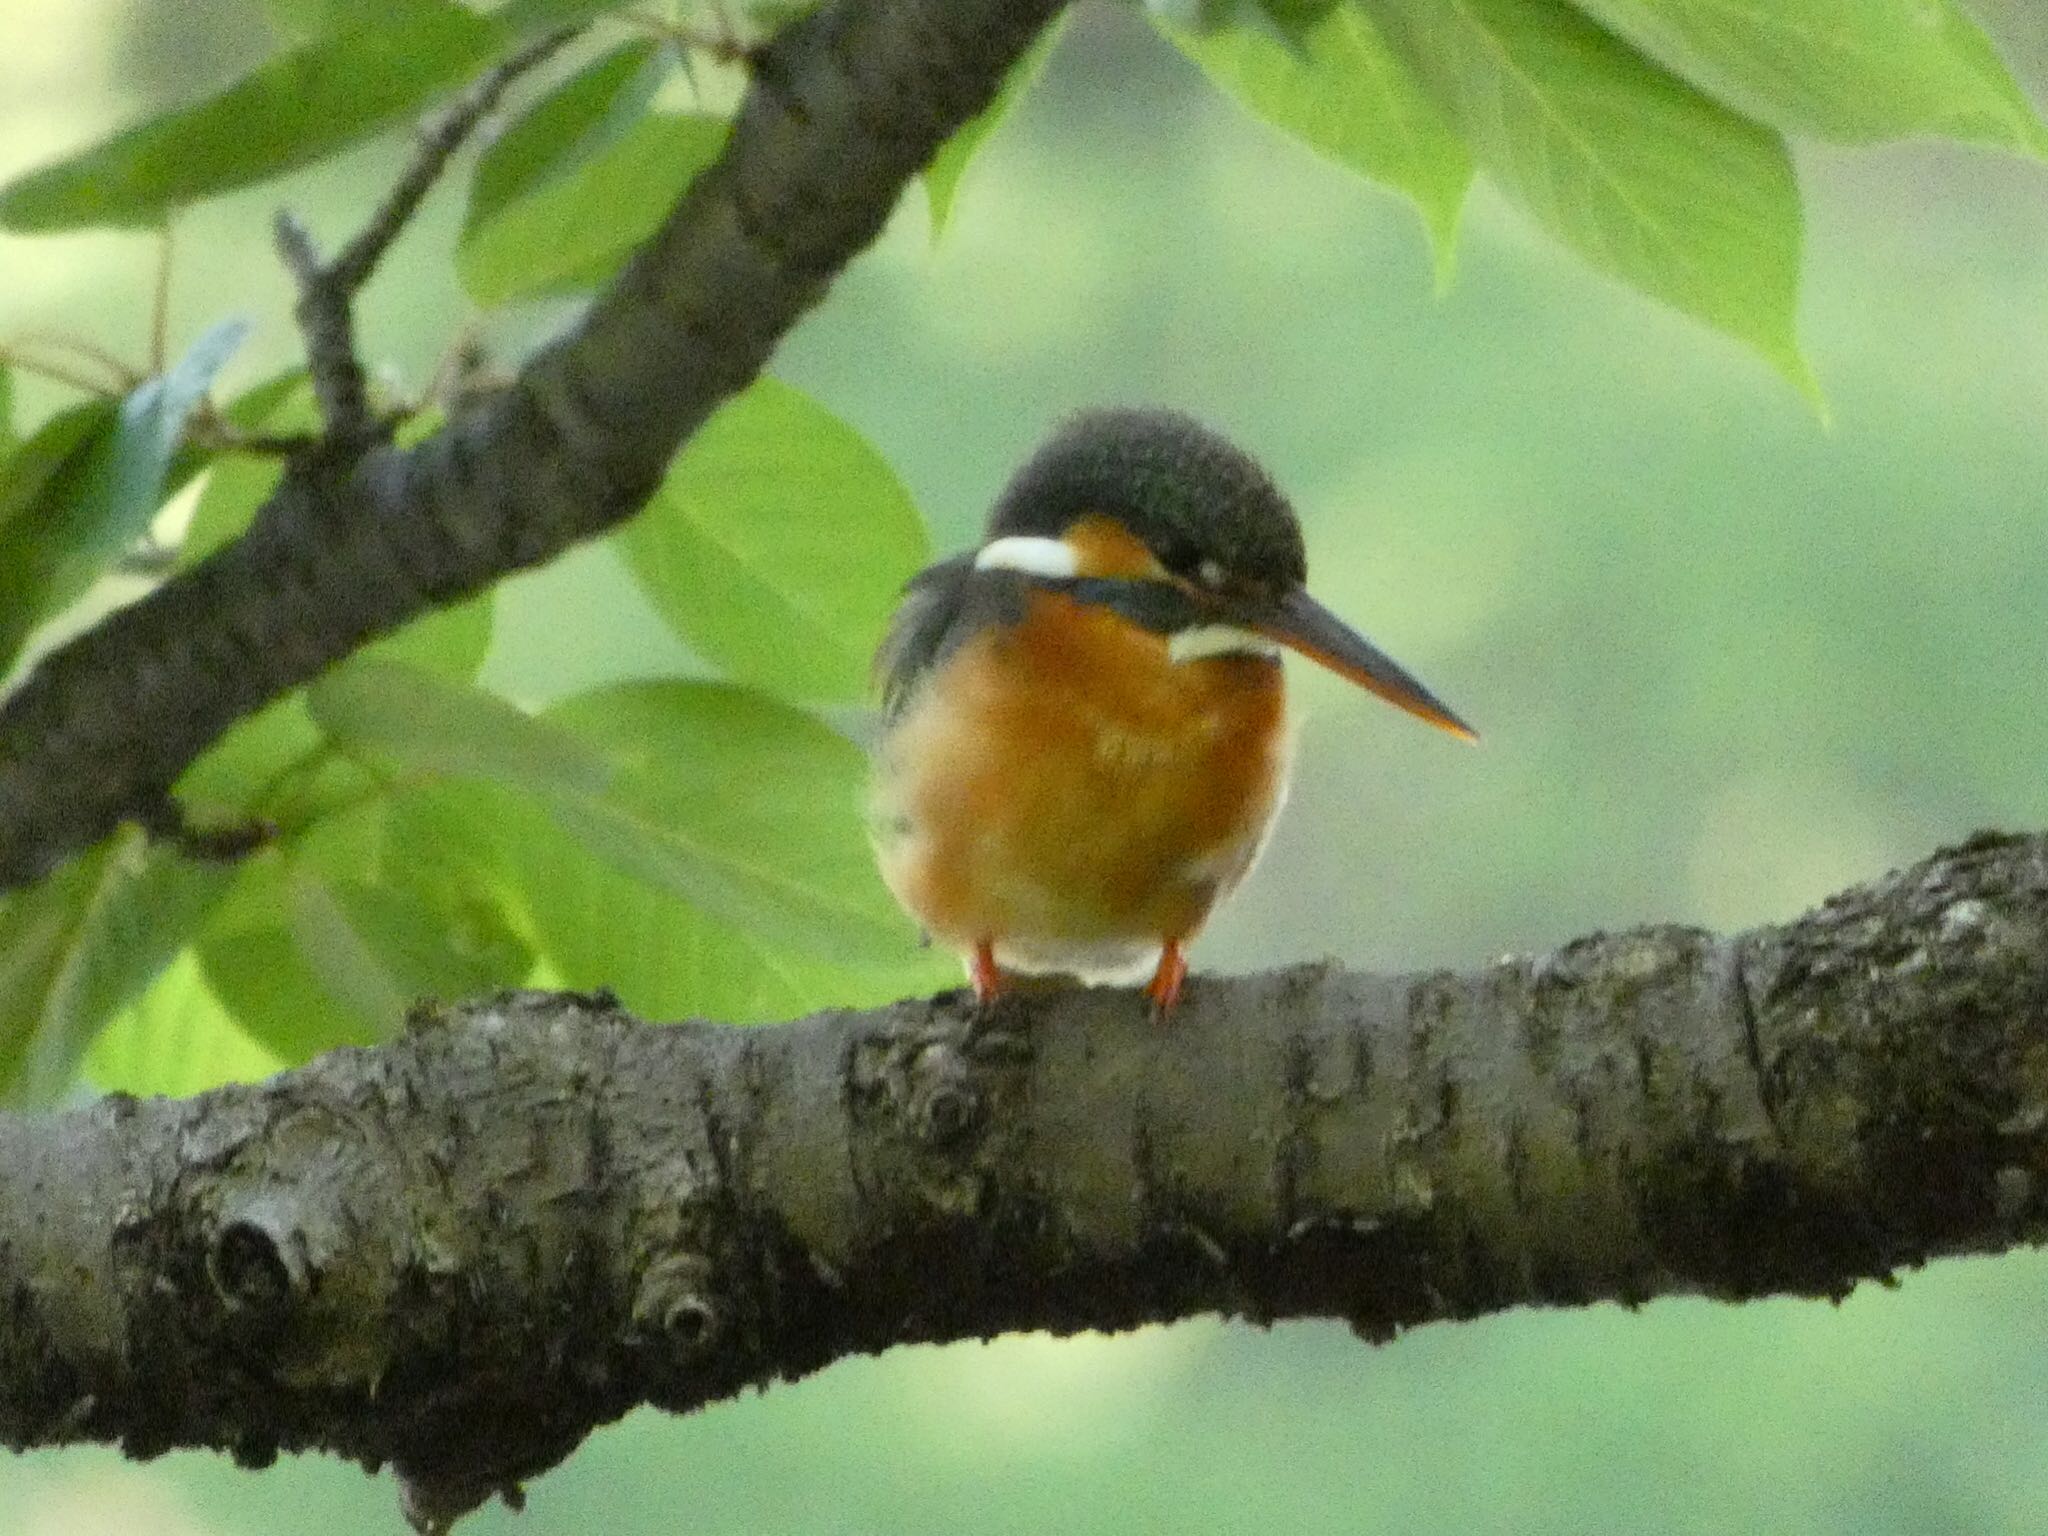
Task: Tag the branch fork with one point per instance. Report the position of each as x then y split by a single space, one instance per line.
845 106
328 288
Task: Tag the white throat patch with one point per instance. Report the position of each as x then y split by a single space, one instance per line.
1206 640
1033 556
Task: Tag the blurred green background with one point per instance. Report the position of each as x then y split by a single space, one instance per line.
1726 659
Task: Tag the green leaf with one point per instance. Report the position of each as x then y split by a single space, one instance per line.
342 841
329 940
528 16
1854 70
104 501
177 1040
28 477
523 17
345 964
1297 18
778 545
573 230
129 479
301 106
77 947
436 726
560 131
299 19
281 403
1641 174
237 484
39 490
1333 83
276 1000
942 176
231 777
740 805
449 642
380 948
746 808
8 440
361 944
595 926
153 418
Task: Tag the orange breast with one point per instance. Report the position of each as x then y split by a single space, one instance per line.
1063 782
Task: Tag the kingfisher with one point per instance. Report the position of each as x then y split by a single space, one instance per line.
1084 737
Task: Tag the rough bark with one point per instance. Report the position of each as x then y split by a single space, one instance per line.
459 1252
847 105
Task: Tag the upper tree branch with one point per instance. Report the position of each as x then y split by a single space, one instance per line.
847 105
328 289
461 1251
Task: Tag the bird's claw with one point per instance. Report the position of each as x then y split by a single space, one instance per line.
1164 989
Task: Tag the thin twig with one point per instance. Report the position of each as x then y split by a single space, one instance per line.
147 560
125 377
327 289
327 321
121 378
164 819
160 307
57 373
437 143
464 369
725 44
208 428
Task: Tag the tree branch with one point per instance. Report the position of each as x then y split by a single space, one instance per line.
461 1251
437 144
847 104
328 289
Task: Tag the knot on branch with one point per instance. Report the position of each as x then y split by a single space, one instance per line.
674 1305
934 1099
254 1272
944 1106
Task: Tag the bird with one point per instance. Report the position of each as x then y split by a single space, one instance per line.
1084 739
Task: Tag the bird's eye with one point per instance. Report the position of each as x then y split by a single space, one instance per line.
1210 574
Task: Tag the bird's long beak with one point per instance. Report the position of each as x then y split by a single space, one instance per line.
1302 624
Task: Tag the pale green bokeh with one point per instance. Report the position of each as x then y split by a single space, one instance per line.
1724 661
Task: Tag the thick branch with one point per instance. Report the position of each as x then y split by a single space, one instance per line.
461 1251
847 105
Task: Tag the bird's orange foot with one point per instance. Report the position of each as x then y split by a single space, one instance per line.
990 988
982 972
1164 987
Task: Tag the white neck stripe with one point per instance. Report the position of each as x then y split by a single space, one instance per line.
1207 640
1031 555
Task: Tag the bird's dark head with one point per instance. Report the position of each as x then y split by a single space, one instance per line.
1197 505
1152 515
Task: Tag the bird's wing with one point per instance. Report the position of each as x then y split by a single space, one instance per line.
947 603
927 625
